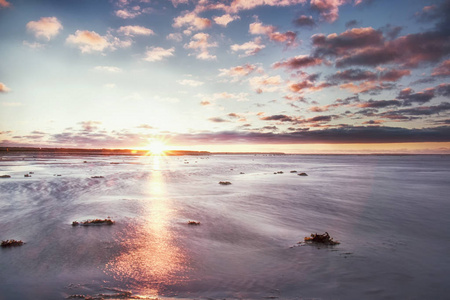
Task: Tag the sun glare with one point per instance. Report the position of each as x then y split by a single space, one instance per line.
157 147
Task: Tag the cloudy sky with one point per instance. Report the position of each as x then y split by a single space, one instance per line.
232 75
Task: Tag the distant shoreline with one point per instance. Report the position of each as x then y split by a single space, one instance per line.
131 152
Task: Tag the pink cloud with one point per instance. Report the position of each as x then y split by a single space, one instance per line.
88 41
249 48
4 3
200 43
46 27
443 69
192 21
289 37
329 9
225 19
135 30
4 88
238 71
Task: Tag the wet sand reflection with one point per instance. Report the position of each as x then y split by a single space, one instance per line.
151 260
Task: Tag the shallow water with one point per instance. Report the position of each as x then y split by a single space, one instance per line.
390 214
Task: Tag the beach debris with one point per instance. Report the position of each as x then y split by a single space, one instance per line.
97 177
241 173
11 243
293 171
193 223
114 163
85 162
117 294
107 221
27 175
224 182
5 176
321 239
279 172
302 174
30 172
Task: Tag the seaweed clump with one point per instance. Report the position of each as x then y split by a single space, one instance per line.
11 243
302 174
321 239
5 176
94 222
193 223
224 182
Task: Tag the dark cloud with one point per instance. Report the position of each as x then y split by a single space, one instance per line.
409 97
280 118
217 120
353 75
421 110
298 62
380 103
351 23
305 21
443 89
339 44
345 134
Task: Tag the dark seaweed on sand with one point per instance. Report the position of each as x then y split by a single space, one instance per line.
321 239
94 222
11 243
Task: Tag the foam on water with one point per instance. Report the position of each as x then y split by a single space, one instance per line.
388 212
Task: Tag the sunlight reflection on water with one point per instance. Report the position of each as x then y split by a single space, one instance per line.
150 258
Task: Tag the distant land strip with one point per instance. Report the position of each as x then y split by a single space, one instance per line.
80 151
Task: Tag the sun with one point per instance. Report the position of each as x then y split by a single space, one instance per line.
157 147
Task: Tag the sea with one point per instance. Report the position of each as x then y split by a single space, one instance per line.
389 213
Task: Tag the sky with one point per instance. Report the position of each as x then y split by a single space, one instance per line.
293 76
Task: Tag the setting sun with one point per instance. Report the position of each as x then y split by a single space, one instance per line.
157 147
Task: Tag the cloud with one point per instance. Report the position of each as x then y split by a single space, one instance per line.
289 37
158 53
110 69
351 23
297 62
176 2
4 88
418 111
409 97
379 103
34 45
190 82
145 126
239 71
224 20
127 14
238 5
90 41
192 21
266 83
328 9
218 120
249 48
279 118
200 43
4 3
135 30
305 21
46 27
342 135
339 44
442 70
89 126
175 37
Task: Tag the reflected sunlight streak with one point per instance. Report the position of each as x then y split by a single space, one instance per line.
151 259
